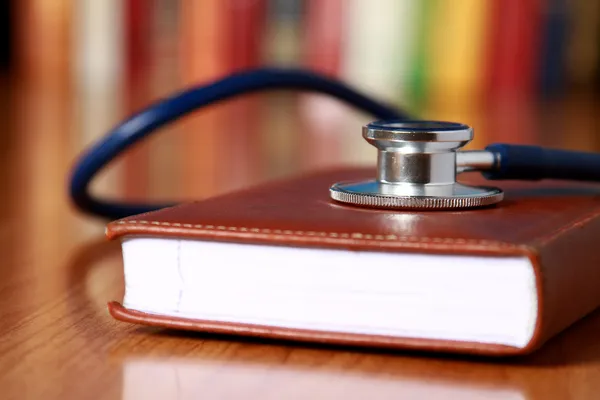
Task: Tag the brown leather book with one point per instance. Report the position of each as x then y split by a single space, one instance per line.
283 261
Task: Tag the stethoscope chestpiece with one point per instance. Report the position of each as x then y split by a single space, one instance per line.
416 169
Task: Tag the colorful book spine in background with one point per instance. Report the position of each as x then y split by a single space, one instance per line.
44 38
511 70
455 62
571 34
246 25
597 66
513 48
137 90
583 43
554 31
243 51
378 46
456 52
377 58
40 110
281 44
407 17
280 129
417 74
579 131
203 59
164 80
323 32
98 60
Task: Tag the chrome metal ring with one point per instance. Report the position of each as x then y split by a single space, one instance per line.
417 165
358 194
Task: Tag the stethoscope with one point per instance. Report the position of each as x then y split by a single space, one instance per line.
417 161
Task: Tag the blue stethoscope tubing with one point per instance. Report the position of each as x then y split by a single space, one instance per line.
518 162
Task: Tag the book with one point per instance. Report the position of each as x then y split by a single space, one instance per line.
375 58
246 24
98 63
455 60
203 59
513 47
511 70
378 46
281 47
417 88
553 48
137 26
456 53
581 57
282 261
322 117
163 78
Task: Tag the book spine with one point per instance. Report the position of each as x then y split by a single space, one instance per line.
322 51
243 46
596 80
98 55
513 48
583 43
44 34
553 48
511 71
98 65
280 125
323 32
203 29
407 18
164 78
376 47
566 266
456 52
39 107
247 18
456 61
283 32
417 88
136 91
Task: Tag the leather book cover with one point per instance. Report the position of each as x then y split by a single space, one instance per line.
553 223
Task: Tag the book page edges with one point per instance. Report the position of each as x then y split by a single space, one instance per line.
353 339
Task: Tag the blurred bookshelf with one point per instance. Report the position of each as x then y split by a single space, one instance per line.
521 71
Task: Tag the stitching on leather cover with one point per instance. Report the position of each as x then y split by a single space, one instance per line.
355 235
580 222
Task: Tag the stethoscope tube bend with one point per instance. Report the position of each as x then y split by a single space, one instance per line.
498 161
147 121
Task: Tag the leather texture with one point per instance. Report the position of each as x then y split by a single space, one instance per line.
555 224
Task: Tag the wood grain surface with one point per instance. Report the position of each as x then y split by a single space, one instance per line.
57 341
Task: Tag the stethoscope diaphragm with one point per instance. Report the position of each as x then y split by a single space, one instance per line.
417 168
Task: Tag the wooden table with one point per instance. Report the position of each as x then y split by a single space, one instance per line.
58 341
